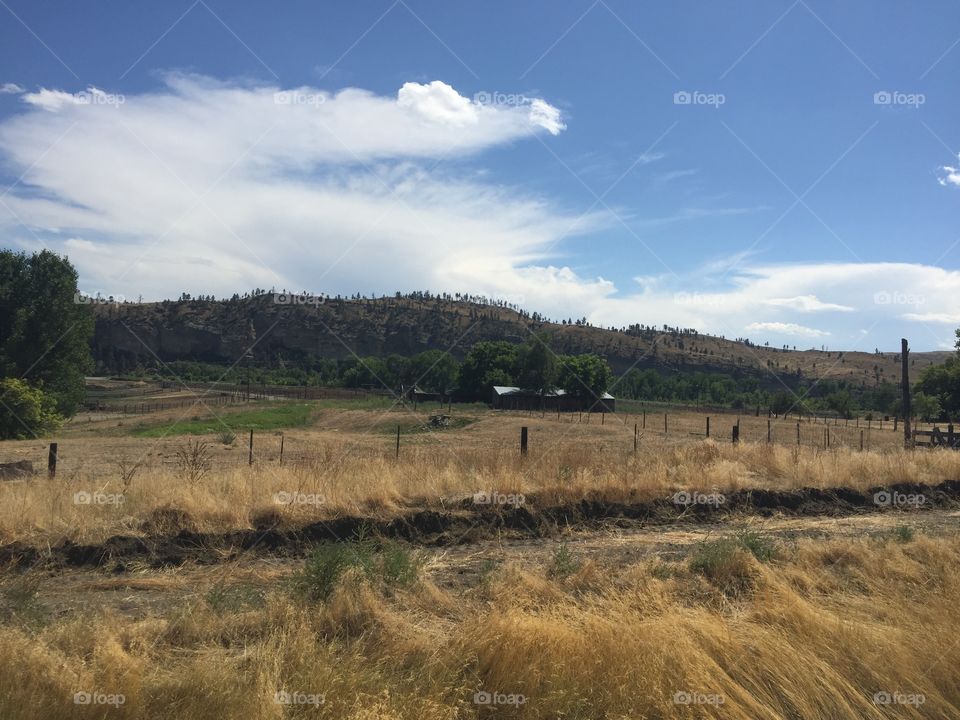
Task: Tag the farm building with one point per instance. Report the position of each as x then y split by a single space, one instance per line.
514 398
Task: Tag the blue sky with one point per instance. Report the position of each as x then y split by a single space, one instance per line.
540 152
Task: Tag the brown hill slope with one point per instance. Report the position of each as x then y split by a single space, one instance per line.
222 331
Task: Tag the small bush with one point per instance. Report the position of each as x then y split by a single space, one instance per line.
193 460
762 548
399 565
726 562
226 437
903 533
563 564
385 561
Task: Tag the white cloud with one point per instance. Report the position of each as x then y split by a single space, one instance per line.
10 89
546 116
438 102
807 303
791 329
949 176
212 187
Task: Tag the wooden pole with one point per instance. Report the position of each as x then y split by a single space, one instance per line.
736 433
644 420
798 433
52 460
664 423
768 430
281 448
523 440
861 441
634 437
905 389
250 462
708 426
398 443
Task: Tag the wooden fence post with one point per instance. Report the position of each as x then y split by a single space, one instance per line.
708 426
634 437
523 440
281 448
251 447
664 424
861 441
798 433
398 443
644 419
905 389
768 430
52 460
736 433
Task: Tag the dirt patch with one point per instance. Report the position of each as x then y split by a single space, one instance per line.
468 523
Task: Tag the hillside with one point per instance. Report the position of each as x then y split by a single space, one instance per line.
223 330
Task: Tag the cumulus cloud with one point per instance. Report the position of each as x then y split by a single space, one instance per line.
949 175
10 89
438 102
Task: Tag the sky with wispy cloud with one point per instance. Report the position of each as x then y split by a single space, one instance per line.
786 172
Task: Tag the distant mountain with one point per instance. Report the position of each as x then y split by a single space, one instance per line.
283 331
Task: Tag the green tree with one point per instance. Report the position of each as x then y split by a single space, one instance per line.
841 403
488 364
585 376
434 371
926 407
943 383
25 412
45 328
538 366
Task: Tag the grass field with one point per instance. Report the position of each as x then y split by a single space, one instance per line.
741 617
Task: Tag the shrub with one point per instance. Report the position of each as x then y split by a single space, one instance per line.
903 533
26 411
563 564
726 562
226 437
193 460
385 561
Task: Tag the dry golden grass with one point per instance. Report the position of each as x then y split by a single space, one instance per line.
347 471
815 633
